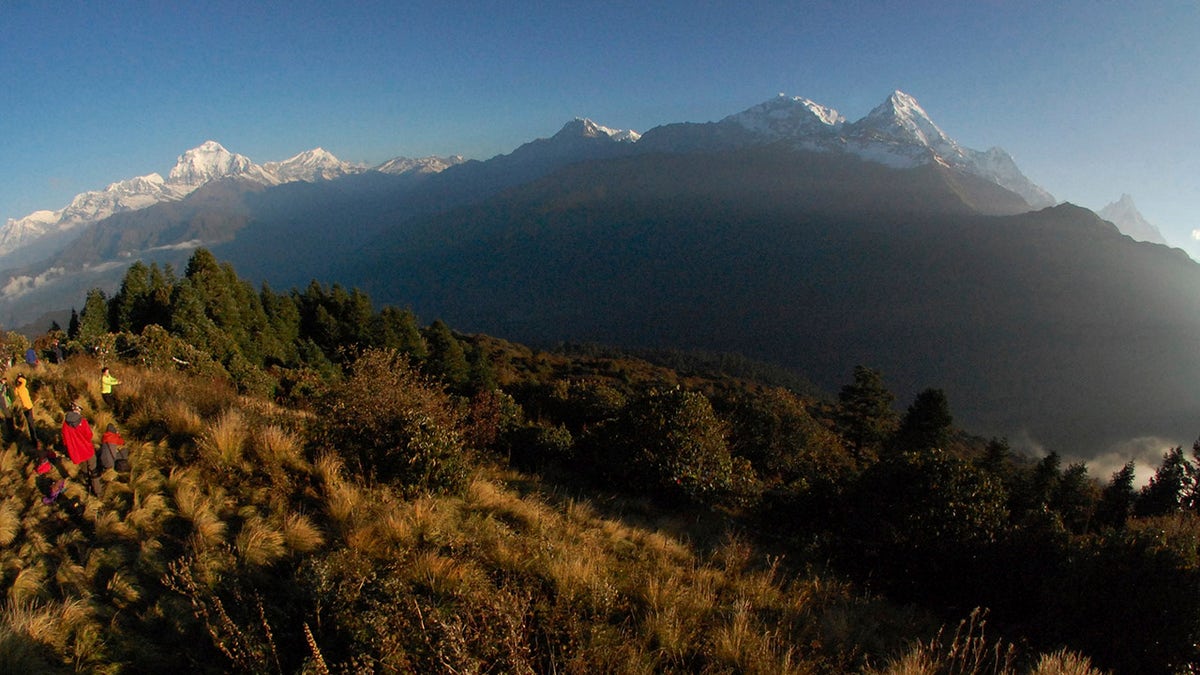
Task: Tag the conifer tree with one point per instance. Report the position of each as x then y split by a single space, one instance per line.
394 328
1171 489
926 424
446 359
93 321
1117 500
864 414
126 307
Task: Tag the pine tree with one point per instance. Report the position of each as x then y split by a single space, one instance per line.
1117 500
1171 489
447 359
864 414
926 424
127 308
93 321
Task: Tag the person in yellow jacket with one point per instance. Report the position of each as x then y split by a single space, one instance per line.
23 405
106 384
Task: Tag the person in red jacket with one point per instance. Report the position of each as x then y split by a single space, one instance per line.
113 454
77 437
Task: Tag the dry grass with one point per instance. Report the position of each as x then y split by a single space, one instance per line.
278 447
180 418
32 636
1063 662
300 534
28 586
223 445
259 544
10 521
487 581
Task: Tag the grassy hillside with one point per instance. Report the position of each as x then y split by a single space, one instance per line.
320 486
236 544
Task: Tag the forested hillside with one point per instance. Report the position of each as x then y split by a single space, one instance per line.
318 485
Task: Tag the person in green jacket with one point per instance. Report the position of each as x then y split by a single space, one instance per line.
106 387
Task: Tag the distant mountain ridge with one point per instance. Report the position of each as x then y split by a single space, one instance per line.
40 232
783 232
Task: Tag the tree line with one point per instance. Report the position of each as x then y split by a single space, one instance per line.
903 502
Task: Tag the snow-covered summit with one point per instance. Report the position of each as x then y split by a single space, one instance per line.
788 117
196 167
586 128
210 161
1125 215
423 165
311 165
897 133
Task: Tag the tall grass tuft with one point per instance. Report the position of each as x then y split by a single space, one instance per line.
10 521
1064 662
278 447
35 638
223 445
181 419
300 535
192 504
259 544
12 460
968 652
28 585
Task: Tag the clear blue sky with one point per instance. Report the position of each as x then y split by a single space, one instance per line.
1093 99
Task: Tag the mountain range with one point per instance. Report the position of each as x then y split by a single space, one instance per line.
782 232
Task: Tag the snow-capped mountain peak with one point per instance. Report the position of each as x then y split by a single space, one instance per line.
788 117
423 165
586 128
210 161
202 164
310 165
1125 215
901 119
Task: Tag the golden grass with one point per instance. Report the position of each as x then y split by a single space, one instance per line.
10 521
195 506
1064 662
968 651
300 534
124 590
224 443
109 526
278 447
28 586
12 460
442 575
73 577
180 418
259 544
34 637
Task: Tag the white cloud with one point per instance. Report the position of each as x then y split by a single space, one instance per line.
1145 452
1196 235
20 285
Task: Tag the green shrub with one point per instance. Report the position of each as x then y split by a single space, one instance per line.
394 425
669 443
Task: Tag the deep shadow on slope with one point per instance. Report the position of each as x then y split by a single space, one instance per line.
1050 325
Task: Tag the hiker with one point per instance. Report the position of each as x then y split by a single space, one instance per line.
5 405
106 384
58 353
23 407
113 454
31 358
77 436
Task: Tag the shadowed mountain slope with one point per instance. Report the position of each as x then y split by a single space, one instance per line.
1048 326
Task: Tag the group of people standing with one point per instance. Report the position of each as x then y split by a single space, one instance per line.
16 405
